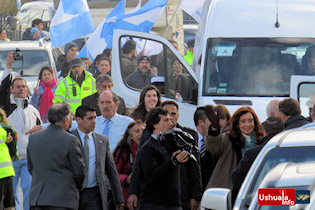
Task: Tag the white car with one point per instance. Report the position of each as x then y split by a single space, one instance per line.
296 146
33 56
299 176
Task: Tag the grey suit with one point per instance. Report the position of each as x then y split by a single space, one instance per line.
105 165
56 166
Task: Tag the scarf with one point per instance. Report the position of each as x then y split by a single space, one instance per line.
47 96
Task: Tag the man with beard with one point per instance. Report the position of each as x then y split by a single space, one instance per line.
143 76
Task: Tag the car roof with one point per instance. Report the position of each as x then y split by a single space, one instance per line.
38 5
293 138
25 45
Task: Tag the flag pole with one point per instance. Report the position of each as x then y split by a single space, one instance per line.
168 26
86 47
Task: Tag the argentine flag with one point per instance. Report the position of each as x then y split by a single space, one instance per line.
140 19
18 4
95 40
71 21
193 9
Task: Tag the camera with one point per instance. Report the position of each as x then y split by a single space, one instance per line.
177 139
17 55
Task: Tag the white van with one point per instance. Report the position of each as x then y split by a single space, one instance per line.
248 50
36 9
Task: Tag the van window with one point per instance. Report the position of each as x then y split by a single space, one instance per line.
256 66
33 61
164 68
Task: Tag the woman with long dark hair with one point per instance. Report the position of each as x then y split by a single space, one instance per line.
45 92
150 97
244 131
125 154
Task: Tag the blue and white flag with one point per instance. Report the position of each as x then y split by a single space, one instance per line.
18 4
137 20
193 9
71 21
95 39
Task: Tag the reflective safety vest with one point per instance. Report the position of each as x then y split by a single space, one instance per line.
6 168
70 92
189 57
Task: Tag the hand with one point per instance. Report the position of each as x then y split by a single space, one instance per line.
120 206
194 204
141 53
34 129
181 156
132 201
36 91
129 178
9 138
36 34
214 119
10 60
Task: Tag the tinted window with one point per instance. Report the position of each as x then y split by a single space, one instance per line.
257 67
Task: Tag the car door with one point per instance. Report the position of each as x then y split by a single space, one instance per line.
302 88
181 87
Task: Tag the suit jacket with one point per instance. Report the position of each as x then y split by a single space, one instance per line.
56 166
105 165
92 101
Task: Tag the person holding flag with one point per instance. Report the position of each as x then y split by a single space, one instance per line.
140 19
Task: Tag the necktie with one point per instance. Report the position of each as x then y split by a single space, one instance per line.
106 127
202 148
86 160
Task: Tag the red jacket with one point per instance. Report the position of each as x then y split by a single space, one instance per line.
124 170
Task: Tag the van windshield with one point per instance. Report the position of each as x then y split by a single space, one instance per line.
256 66
30 65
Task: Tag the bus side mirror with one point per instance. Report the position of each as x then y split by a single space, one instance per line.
186 89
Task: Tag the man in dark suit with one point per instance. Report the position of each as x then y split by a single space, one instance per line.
55 163
99 164
104 82
207 160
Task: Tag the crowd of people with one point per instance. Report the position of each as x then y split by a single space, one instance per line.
73 144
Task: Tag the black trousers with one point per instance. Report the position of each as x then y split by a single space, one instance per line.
6 193
90 198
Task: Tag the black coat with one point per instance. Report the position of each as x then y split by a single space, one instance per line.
190 175
161 183
246 162
295 122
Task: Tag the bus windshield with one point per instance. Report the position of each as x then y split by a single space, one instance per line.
256 66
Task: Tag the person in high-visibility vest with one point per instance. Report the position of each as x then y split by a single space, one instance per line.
6 168
76 86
